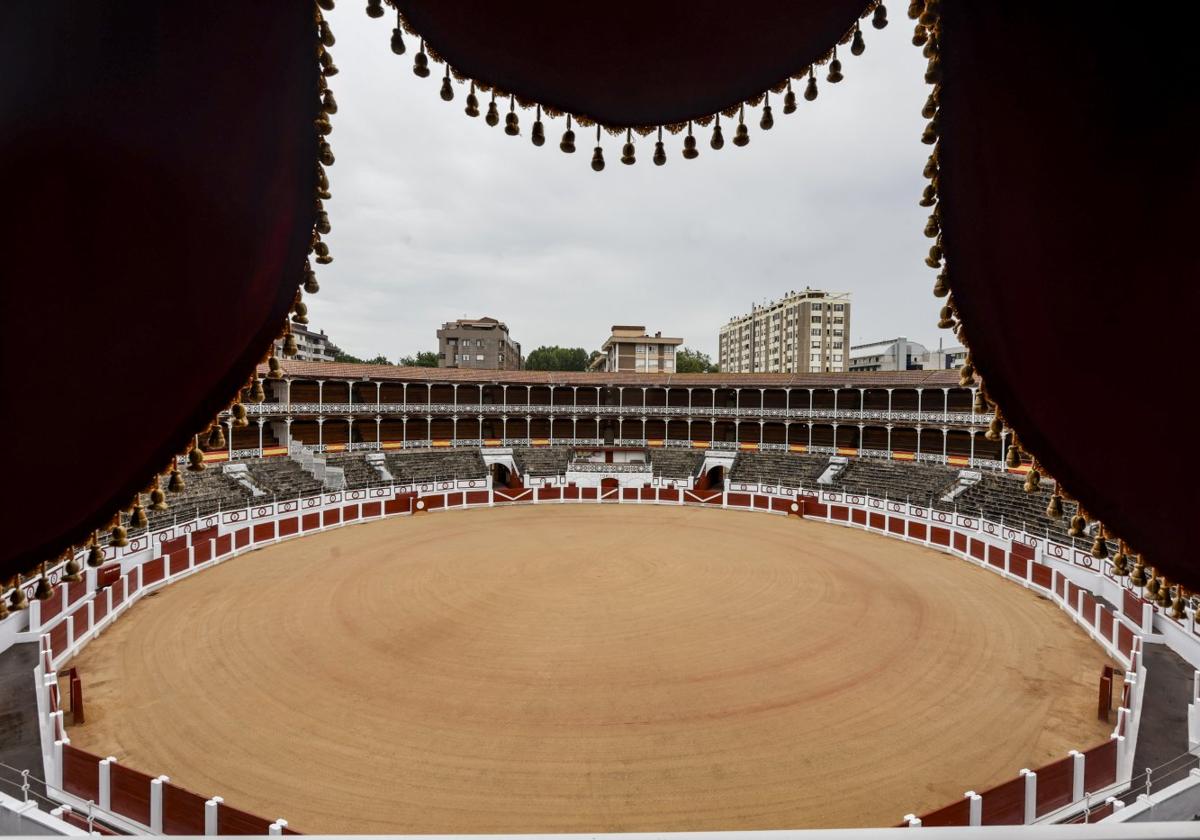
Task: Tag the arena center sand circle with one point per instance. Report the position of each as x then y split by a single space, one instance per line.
561 668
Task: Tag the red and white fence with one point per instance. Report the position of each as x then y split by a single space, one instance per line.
130 800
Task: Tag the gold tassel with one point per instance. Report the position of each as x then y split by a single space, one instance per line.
398 46
538 135
137 516
274 370
158 499
835 69
915 8
1078 524
1054 510
1152 586
257 394
43 590
447 91
374 8
981 405
941 288
879 19
4 613
1179 605
1100 545
95 557
118 536
472 109
810 89
567 144
1138 576
17 601
238 412
1164 594
857 45
216 436
628 152
995 428
1120 561
934 259
767 121
718 139
741 136
195 460
966 374
1013 458
690 152
176 483
660 151
311 286
512 124
789 100
598 154
920 36
1033 479
945 318
289 345
493 113
421 62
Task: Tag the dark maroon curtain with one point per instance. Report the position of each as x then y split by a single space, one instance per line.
1069 192
159 166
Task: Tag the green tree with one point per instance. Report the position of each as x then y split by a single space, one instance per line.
688 360
424 358
557 358
340 355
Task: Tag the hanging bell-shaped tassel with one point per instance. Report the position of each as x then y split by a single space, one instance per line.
879 18
325 34
421 62
43 590
915 9
325 153
374 8
1054 510
789 99
216 437
660 151
767 121
928 196
741 135
690 151
158 499
71 571
289 345
945 318
981 404
966 374
930 108
931 168
1138 576
300 313
538 134
1013 458
1078 525
493 113
941 288
17 601
1100 545
238 413
930 135
1120 562
628 152
994 429
117 536
472 109
857 45
274 371
1179 605
176 484
95 557
810 88
447 91
1164 594
1033 480
1152 586
398 46
718 139
598 159
933 226
311 286
512 125
934 258
195 460
328 102
257 394
322 224
835 70
328 68
920 36
567 144
137 516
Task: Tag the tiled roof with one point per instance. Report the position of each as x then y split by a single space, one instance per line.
395 373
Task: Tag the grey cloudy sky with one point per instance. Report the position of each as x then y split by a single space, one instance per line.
436 216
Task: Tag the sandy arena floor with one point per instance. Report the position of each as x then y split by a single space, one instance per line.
590 668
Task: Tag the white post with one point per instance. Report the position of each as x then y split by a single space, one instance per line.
975 808
278 827
1147 618
210 816
56 772
913 820
156 804
106 783
1079 762
1030 796
1121 758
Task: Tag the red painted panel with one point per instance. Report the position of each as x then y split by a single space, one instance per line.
231 821
51 607
938 536
1054 785
569 492
762 502
177 544
330 517
858 516
1106 624
556 493
204 536
1005 804
1089 608
977 548
895 525
839 513
647 494
242 537
1042 575
879 521
433 502
1018 565
224 544
264 531
1124 640
101 606
629 493
960 541
480 497
118 591
1100 766
815 509
1060 587
108 574
995 555
398 504
957 813
130 793
673 494
739 500
75 591
152 572
81 773
1131 605
79 622
916 530
203 551
288 526
131 582
350 512
183 811
589 492
1019 549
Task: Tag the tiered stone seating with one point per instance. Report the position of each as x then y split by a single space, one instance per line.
282 478
205 492
542 460
1004 496
359 473
919 483
676 463
437 465
785 468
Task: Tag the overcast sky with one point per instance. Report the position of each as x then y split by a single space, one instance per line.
438 216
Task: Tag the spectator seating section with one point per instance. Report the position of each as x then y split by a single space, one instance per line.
359 474
542 460
282 478
676 463
443 465
787 469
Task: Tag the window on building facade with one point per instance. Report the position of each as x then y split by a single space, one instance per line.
479 357
816 330
837 307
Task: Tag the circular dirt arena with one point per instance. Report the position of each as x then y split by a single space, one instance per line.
573 668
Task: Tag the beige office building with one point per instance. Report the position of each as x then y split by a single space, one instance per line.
477 343
630 348
803 332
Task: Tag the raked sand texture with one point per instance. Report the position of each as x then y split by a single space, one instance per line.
571 668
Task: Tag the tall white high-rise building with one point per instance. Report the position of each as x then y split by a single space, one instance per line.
802 332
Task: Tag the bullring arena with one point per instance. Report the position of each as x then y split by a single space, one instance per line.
580 668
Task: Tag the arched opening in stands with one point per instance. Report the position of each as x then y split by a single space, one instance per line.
714 479
500 475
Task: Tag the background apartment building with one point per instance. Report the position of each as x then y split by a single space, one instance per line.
803 332
480 344
630 348
890 354
311 346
